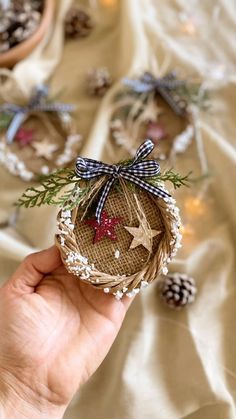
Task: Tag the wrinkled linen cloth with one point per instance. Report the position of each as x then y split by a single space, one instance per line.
164 364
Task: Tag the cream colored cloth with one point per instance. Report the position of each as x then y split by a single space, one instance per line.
164 364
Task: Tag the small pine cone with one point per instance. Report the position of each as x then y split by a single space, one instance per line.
177 289
98 81
77 23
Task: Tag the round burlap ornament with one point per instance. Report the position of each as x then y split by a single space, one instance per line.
110 265
56 131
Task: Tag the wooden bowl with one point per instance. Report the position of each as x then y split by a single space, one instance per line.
19 52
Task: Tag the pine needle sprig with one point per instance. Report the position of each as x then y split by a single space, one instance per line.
73 198
65 198
5 119
59 175
195 94
49 189
169 175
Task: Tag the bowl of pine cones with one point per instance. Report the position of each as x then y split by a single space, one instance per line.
23 23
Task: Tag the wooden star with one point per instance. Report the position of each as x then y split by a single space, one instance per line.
142 235
106 228
150 112
44 149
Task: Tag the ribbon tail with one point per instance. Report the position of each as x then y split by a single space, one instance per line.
103 198
168 98
154 190
15 124
54 107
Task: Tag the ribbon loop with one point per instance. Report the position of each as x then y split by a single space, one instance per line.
144 150
134 172
144 168
166 86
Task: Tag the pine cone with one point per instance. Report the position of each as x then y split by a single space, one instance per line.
18 22
177 290
77 23
98 81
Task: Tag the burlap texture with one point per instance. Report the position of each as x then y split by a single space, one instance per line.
102 254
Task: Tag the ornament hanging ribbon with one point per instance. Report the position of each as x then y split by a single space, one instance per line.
134 173
37 103
165 86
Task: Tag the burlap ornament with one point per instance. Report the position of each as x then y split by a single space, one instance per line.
151 103
125 137
118 227
24 162
111 265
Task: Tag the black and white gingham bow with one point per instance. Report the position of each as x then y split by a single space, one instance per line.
37 103
133 172
165 86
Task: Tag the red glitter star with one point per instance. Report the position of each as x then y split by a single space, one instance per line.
24 136
106 228
156 131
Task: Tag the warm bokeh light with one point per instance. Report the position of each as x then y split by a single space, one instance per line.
109 3
186 230
194 206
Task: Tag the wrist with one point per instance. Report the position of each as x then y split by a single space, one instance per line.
16 408
17 402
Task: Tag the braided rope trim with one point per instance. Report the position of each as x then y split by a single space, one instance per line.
122 285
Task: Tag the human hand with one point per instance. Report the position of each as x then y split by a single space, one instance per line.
54 333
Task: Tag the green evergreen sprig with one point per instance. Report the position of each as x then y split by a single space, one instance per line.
5 119
49 189
62 188
176 179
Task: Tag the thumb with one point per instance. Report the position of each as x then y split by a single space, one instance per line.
32 270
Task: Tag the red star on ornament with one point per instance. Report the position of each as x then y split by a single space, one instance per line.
106 228
24 136
156 131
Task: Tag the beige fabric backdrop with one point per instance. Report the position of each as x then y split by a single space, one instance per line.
164 364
